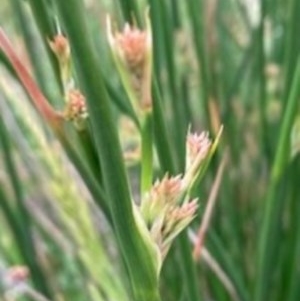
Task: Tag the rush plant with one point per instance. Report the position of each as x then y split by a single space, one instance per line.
122 124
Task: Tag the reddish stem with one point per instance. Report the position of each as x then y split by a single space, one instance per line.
209 209
40 102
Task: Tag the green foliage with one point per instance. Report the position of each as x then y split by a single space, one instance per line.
85 133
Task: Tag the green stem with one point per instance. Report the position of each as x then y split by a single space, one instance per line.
292 46
147 153
137 252
188 268
162 142
293 292
217 248
89 179
280 162
47 30
262 81
197 23
43 76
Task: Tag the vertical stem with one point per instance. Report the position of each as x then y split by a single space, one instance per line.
293 291
188 267
292 46
46 28
136 250
280 162
147 153
262 81
196 14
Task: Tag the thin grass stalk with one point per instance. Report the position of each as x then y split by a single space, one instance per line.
288 241
218 250
239 77
212 263
168 164
279 242
188 269
293 290
147 153
179 118
7 210
163 36
281 160
162 142
136 254
91 182
123 105
158 43
86 143
24 23
240 73
292 47
218 291
261 64
47 30
196 15
175 13
186 97
198 245
41 104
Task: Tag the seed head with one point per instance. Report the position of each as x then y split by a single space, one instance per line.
132 44
60 46
163 212
132 52
197 147
76 109
163 194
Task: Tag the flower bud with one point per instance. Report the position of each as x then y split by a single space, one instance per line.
164 213
132 52
76 110
60 46
132 47
199 150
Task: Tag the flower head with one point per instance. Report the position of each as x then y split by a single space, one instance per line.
197 147
75 109
60 46
199 150
133 47
164 212
132 52
177 219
